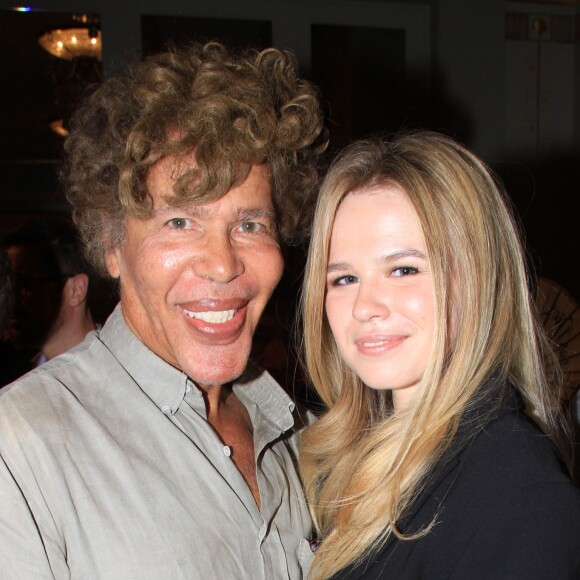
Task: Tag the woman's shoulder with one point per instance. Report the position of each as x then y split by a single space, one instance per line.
513 498
504 507
513 449
515 475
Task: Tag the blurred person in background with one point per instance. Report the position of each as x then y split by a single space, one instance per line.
51 304
5 290
6 296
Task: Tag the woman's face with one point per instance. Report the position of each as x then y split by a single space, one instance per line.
380 301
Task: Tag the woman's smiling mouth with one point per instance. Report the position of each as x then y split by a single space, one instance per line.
379 345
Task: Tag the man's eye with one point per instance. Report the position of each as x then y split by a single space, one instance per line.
252 227
405 271
178 223
344 280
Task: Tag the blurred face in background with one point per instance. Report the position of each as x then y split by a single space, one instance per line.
37 296
380 300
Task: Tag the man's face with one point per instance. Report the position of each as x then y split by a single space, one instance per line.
195 280
37 299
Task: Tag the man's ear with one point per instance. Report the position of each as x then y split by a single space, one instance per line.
112 262
76 288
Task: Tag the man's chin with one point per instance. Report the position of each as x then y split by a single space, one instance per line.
216 364
213 379
217 374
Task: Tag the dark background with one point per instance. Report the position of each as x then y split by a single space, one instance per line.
359 52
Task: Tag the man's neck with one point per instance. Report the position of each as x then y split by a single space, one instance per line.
230 420
219 402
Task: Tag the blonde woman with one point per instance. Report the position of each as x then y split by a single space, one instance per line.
436 457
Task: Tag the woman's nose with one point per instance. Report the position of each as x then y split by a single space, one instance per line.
370 302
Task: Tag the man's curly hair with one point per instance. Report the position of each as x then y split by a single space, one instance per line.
233 110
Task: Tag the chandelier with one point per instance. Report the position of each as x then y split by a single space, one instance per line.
72 43
81 46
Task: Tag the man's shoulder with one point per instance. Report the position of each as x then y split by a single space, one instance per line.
58 382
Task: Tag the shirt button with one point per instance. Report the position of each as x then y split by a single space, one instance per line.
166 409
187 388
227 451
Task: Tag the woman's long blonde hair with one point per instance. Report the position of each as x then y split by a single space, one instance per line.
362 464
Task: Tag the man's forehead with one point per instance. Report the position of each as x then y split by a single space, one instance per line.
254 191
174 166
171 167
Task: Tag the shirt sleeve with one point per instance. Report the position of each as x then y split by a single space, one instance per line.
23 553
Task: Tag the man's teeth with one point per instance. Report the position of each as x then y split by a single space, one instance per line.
213 317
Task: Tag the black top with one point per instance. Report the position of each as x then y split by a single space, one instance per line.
504 505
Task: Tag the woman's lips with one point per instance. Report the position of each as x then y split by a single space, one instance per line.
379 344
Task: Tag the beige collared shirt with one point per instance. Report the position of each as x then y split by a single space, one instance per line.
110 470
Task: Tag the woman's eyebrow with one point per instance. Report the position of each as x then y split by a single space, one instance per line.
384 259
401 254
337 267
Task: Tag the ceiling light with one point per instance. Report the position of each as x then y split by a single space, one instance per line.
71 43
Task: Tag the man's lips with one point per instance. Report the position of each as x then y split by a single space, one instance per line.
379 344
216 320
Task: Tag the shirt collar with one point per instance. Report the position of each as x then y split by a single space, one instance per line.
166 386
163 384
257 388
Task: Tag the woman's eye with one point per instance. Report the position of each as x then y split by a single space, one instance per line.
405 271
344 280
178 223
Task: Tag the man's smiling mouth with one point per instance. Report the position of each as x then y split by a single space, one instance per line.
211 316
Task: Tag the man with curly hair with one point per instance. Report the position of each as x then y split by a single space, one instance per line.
154 450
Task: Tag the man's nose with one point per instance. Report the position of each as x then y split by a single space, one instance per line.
219 259
370 302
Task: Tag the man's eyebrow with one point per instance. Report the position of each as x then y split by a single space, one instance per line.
185 210
243 213
256 212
